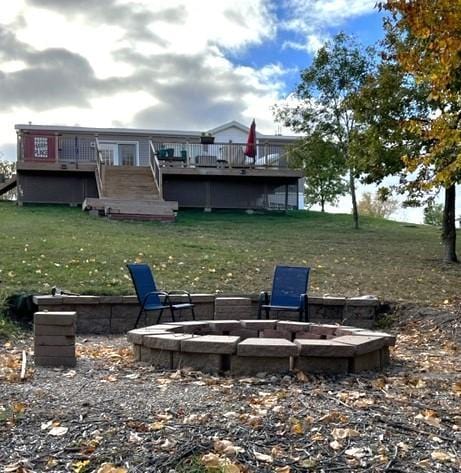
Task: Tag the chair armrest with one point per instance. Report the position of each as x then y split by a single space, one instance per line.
180 291
154 293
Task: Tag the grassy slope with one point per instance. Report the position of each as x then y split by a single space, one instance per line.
47 245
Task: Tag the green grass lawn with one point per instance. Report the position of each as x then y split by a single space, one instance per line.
42 246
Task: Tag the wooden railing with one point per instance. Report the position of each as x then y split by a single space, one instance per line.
99 169
229 155
155 168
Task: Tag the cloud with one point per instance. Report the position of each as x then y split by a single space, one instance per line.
136 20
51 78
312 19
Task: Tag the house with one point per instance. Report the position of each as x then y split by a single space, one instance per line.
138 173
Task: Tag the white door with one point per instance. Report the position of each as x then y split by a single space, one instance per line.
109 152
119 154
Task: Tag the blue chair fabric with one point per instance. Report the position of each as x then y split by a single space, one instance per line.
150 298
289 292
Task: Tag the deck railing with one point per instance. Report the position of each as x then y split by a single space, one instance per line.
99 168
155 168
229 155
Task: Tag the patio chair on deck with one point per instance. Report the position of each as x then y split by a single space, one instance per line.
150 298
289 292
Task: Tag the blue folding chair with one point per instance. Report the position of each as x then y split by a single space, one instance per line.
289 292
150 298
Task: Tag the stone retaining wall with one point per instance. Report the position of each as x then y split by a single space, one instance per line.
117 314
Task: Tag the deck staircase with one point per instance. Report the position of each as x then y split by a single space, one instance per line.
8 184
130 193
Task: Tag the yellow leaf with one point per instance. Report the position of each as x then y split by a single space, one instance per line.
18 407
210 460
80 466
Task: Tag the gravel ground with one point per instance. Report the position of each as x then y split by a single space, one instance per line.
130 417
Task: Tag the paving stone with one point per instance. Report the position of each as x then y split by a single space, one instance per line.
55 318
385 357
137 335
366 362
324 329
251 365
137 352
363 344
244 333
193 326
309 336
54 330
372 301
232 313
168 341
53 361
206 362
315 364
332 300
224 325
325 348
268 333
270 347
232 301
362 323
56 351
54 340
292 326
211 344
387 337
159 358
259 324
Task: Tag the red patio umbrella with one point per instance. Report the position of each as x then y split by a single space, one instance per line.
250 149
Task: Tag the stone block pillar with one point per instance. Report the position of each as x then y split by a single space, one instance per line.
54 338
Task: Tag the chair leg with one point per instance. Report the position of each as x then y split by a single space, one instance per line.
259 311
301 315
172 314
267 312
159 316
137 319
193 313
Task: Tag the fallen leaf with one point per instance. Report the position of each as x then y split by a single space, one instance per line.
441 456
263 457
340 434
283 469
210 460
58 431
355 452
335 445
80 466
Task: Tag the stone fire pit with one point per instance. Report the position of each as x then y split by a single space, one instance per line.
247 347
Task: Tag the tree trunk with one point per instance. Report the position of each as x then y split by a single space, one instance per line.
355 211
448 226
322 203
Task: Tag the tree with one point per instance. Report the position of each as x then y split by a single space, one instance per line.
7 169
322 101
323 168
377 205
433 214
425 39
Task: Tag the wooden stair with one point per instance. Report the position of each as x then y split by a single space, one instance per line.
130 193
8 184
129 182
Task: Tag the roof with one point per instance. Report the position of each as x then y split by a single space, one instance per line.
149 132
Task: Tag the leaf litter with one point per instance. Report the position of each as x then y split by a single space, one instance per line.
112 415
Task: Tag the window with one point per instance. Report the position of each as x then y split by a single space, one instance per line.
40 147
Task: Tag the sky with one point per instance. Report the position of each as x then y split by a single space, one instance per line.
176 64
